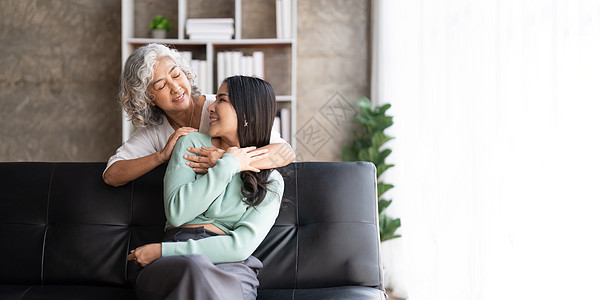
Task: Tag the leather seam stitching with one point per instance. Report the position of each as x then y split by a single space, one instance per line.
47 222
25 292
298 227
130 233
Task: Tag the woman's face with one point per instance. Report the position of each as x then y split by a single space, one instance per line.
170 89
223 118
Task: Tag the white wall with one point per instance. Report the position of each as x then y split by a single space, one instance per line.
497 149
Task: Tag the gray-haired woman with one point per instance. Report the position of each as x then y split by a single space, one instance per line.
159 95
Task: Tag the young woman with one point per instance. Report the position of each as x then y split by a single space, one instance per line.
215 221
159 95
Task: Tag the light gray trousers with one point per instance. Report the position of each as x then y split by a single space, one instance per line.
195 276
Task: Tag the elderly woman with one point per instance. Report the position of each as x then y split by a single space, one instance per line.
215 221
165 104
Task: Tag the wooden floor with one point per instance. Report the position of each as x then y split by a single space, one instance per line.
390 297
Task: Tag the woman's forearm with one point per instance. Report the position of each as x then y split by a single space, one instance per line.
124 171
280 155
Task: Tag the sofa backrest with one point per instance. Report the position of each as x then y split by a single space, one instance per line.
60 224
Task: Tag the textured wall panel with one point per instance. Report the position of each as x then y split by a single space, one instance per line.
333 73
59 70
258 19
60 63
211 8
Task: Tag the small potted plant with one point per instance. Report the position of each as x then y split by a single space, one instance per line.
160 26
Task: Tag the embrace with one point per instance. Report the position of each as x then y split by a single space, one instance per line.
221 194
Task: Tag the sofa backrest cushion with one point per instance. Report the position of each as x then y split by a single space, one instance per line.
59 224
327 233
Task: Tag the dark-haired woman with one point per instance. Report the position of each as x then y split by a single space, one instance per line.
215 221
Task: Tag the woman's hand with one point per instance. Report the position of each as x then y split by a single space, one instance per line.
248 155
205 158
166 152
145 254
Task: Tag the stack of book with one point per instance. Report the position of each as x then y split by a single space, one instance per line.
209 29
231 63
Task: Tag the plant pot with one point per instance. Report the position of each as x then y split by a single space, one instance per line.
159 33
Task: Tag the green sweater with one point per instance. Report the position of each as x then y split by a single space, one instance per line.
216 198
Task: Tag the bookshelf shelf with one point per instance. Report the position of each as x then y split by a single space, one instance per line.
279 53
255 42
232 43
284 98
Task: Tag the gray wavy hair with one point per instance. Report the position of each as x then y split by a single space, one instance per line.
136 77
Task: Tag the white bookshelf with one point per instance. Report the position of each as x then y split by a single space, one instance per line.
286 99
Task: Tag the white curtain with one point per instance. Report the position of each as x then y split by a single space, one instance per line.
497 146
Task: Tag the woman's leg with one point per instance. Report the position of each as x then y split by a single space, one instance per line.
194 276
188 277
246 272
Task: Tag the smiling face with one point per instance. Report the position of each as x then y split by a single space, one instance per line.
170 89
223 118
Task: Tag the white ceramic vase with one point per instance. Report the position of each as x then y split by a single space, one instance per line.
159 33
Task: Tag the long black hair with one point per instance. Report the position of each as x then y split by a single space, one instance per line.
254 102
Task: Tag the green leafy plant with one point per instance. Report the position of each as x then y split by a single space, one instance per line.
369 139
160 22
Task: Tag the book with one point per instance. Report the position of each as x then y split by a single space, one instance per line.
210 36
203 84
196 21
284 17
195 66
278 16
247 67
220 67
187 56
210 29
236 58
258 64
228 63
286 121
277 124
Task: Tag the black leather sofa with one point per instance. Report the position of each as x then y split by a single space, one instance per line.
66 235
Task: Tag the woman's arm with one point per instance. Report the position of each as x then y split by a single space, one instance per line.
245 237
278 155
137 156
124 171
